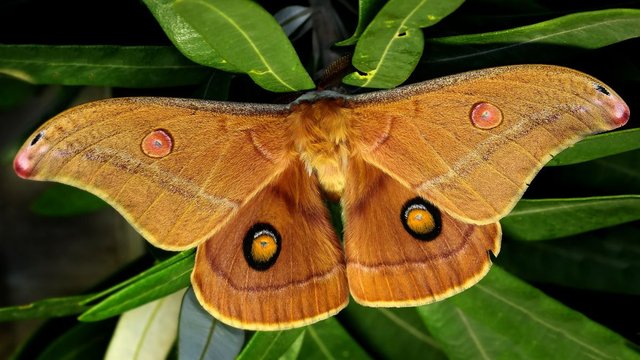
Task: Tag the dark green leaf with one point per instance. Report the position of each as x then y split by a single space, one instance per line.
185 37
612 175
201 336
545 219
367 9
83 341
252 41
603 260
266 345
393 333
392 43
57 307
327 339
216 87
63 200
54 307
503 317
599 146
13 92
134 66
165 278
541 42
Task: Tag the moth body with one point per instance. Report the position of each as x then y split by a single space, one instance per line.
319 135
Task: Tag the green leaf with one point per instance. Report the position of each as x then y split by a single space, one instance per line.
161 280
367 9
201 336
504 318
185 37
148 331
604 260
53 307
391 333
83 341
103 65
294 350
250 39
391 46
151 284
544 219
541 42
327 339
613 175
267 345
64 200
13 92
598 146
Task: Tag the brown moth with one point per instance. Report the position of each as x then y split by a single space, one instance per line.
424 174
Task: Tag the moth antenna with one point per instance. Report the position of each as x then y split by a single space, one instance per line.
331 77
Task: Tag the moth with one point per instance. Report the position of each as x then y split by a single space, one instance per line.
423 172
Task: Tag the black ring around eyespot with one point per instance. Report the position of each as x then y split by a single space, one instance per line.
248 242
437 219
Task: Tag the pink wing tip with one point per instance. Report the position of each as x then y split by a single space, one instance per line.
620 113
23 165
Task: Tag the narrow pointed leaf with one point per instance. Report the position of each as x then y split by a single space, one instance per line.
152 282
541 42
599 146
201 336
147 332
103 65
391 333
504 318
544 219
391 46
250 39
367 9
267 345
328 339
148 286
186 38
605 260
53 307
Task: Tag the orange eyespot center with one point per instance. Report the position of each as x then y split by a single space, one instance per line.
485 115
263 247
420 220
157 144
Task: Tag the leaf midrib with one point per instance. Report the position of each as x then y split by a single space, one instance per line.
249 41
540 321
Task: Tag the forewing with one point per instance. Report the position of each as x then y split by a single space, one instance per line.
220 155
424 137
